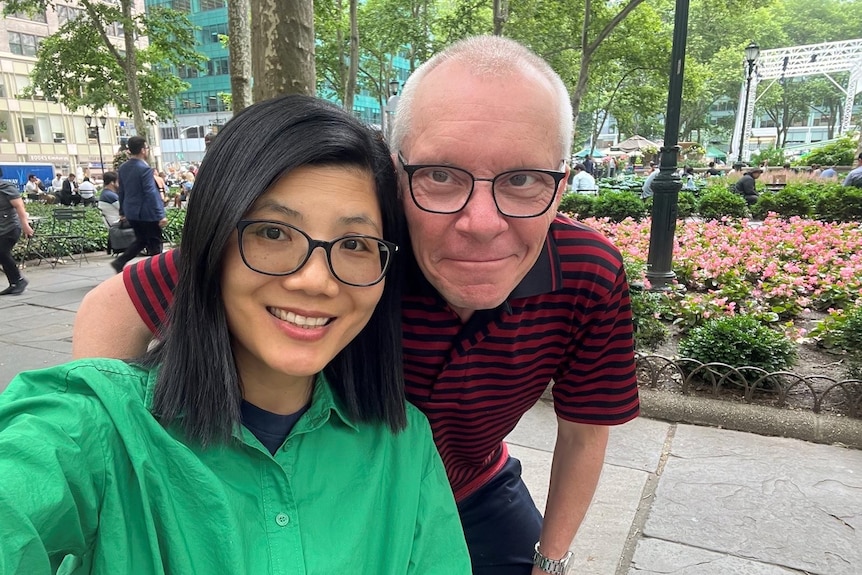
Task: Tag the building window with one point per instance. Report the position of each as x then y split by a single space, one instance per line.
24 44
182 5
211 5
170 133
218 67
67 13
188 72
35 17
211 33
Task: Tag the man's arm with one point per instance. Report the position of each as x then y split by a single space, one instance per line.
578 458
108 325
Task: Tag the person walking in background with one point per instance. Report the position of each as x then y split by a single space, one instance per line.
590 165
854 178
140 204
13 221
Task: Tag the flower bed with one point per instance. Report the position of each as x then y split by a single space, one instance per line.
776 269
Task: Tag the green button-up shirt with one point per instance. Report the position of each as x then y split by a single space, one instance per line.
91 480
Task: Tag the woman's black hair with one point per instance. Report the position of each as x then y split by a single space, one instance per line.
198 384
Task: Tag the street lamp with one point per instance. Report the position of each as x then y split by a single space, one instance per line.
667 185
391 106
752 51
102 120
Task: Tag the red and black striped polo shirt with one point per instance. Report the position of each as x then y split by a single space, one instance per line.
569 320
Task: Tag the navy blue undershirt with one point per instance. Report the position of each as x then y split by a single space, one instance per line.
271 429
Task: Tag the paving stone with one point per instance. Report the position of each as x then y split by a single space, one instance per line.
656 557
17 358
774 500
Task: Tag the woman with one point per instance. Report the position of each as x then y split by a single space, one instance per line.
13 220
268 431
160 185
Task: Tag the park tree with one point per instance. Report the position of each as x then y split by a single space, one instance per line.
239 45
283 55
85 65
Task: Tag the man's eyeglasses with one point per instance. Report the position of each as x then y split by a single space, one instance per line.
279 249
446 189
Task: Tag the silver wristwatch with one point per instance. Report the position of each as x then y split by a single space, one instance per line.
553 566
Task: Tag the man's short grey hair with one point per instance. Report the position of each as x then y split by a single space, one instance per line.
486 56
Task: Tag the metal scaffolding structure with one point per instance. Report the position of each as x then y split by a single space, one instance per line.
814 59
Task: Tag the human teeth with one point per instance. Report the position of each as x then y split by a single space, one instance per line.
300 320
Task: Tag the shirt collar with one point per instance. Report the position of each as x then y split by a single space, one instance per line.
322 404
544 277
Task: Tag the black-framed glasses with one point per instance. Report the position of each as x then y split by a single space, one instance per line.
446 190
278 249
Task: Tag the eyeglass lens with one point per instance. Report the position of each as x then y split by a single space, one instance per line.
517 193
280 249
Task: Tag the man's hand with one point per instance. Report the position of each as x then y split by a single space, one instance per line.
163 222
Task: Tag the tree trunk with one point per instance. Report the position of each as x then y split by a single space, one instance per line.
142 127
239 44
353 69
501 14
283 62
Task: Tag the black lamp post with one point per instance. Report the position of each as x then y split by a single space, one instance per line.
102 120
752 51
667 184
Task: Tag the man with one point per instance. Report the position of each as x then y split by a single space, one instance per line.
140 204
503 296
854 178
69 193
57 183
87 191
646 189
582 182
829 173
590 165
713 171
33 187
109 200
746 188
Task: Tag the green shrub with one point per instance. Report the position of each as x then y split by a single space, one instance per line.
717 203
839 204
772 155
843 331
650 331
687 204
578 205
739 340
618 206
788 202
838 153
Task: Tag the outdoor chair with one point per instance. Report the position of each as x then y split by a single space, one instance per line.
61 240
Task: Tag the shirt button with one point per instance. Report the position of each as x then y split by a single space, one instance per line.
282 519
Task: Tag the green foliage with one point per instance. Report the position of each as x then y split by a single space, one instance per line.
650 331
739 340
838 203
838 153
92 228
686 205
788 202
842 330
578 205
618 206
717 203
771 155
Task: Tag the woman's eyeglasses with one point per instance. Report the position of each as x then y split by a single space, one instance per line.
279 249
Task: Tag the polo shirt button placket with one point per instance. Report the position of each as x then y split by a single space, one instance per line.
282 519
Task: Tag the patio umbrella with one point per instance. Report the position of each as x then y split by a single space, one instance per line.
715 153
586 151
636 144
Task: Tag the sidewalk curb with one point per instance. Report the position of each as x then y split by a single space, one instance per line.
761 419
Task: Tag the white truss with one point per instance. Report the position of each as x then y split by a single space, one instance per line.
795 62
